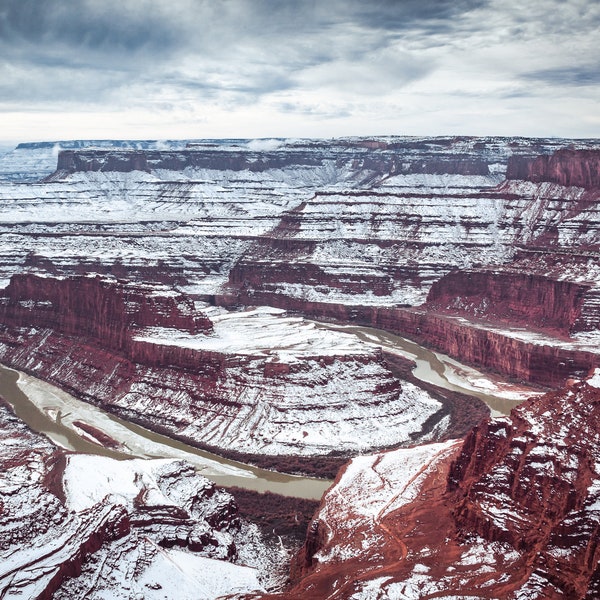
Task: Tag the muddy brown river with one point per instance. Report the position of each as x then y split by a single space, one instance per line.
441 370
51 411
82 427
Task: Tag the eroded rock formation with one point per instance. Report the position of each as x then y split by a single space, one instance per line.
98 308
510 513
515 297
532 481
237 387
567 167
72 525
480 248
511 297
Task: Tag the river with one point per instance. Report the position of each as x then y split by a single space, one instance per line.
500 395
73 424
49 410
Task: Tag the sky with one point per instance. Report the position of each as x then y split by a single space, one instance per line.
183 69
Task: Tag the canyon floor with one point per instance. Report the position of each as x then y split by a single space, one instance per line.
363 311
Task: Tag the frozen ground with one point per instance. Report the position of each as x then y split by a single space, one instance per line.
59 414
261 331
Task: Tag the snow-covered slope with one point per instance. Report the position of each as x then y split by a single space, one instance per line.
78 525
347 229
358 221
513 513
250 382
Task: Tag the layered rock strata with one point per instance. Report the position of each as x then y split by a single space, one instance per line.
74 525
252 383
533 481
567 167
391 214
347 255
98 308
510 513
542 356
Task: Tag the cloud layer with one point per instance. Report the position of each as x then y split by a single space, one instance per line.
206 68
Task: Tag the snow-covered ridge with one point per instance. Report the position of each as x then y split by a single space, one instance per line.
125 528
256 382
261 331
513 513
30 162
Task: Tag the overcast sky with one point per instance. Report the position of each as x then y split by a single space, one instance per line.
148 69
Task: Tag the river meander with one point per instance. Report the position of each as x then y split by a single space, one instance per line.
500 395
51 411
81 427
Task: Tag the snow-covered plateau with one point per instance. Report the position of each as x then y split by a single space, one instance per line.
225 293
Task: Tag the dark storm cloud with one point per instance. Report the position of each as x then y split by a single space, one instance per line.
433 15
575 76
321 58
88 26
75 48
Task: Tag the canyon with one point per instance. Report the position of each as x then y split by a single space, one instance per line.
511 512
72 523
177 285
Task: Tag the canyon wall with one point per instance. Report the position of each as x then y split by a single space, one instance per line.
531 480
73 524
149 356
511 512
463 156
98 308
567 167
522 355
511 297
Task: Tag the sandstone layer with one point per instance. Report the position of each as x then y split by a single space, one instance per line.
377 222
510 513
566 167
523 301
483 248
73 525
254 382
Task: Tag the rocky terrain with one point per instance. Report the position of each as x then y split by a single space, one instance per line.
200 264
74 525
343 228
249 383
511 512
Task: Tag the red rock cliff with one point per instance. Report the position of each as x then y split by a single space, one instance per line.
132 350
513 513
532 481
96 307
513 297
566 167
547 363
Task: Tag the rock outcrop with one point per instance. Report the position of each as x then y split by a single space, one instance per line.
533 481
76 524
512 297
567 167
98 308
510 513
420 237
250 383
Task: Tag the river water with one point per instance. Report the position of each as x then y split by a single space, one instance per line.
74 424
434 367
51 411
